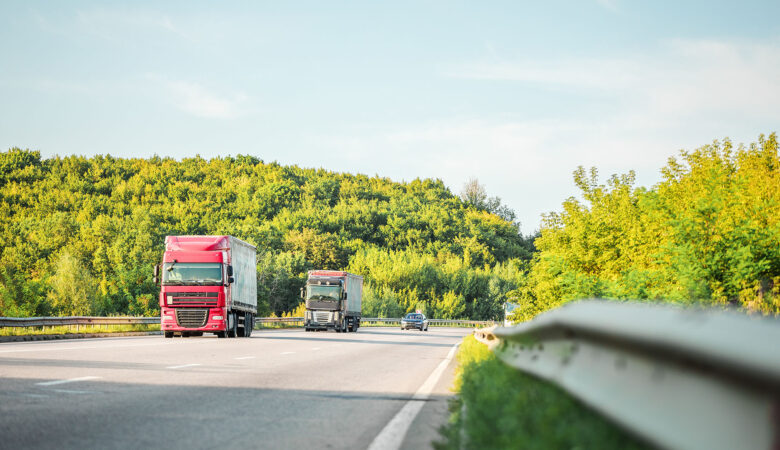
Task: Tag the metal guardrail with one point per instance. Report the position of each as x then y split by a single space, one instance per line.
87 321
74 321
678 378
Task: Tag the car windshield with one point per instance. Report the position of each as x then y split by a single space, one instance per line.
414 316
320 292
179 273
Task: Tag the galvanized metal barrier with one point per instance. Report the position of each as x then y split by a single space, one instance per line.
678 378
431 322
75 320
274 321
93 321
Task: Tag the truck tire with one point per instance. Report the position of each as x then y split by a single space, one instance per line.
232 330
241 319
169 334
250 324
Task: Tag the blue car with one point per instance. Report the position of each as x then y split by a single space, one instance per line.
414 320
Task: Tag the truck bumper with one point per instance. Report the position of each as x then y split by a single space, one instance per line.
191 319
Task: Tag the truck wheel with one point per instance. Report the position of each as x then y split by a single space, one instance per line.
169 334
232 330
249 324
221 334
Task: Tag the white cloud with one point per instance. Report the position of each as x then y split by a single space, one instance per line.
112 23
611 5
684 77
195 99
646 108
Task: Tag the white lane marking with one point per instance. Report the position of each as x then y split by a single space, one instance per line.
286 353
182 366
392 435
35 395
70 380
68 391
315 348
246 357
87 347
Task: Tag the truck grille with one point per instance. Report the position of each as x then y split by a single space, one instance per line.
192 298
191 317
322 317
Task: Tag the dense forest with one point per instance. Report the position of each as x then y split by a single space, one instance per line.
80 235
707 233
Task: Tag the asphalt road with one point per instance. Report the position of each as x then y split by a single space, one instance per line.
277 389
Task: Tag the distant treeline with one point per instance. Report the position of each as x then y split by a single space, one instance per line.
708 233
81 235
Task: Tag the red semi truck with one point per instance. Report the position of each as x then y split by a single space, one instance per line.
208 285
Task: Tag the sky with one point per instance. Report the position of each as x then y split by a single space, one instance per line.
514 93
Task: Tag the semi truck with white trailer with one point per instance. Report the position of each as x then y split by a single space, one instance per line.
208 284
333 301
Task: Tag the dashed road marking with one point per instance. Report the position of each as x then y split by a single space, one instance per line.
182 366
287 353
72 392
70 380
315 348
245 357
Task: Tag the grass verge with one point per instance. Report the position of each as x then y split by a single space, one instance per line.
83 329
498 407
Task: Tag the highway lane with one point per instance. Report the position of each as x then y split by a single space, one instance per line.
277 389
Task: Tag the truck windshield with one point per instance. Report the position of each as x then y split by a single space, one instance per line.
315 292
192 273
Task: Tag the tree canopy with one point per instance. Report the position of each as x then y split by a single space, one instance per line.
708 233
81 235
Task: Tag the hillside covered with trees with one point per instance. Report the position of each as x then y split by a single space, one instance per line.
80 235
707 233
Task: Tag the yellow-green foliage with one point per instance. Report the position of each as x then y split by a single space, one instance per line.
80 235
709 232
498 407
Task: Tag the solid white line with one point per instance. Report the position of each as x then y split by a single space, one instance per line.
246 357
392 435
182 366
286 353
71 380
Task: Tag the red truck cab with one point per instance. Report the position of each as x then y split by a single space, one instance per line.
207 285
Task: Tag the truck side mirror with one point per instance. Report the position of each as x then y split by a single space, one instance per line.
230 271
231 280
303 293
344 296
156 273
